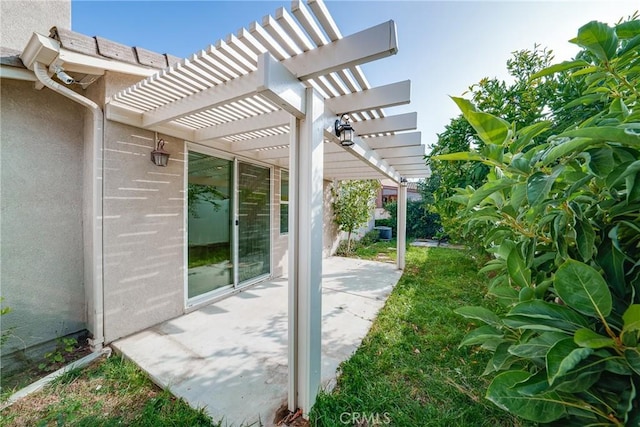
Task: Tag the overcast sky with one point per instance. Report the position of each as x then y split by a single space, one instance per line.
444 46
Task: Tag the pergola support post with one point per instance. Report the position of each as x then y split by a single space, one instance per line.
305 254
402 225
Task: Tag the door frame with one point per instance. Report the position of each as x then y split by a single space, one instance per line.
191 304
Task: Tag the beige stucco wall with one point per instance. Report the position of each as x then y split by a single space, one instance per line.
21 18
41 259
280 241
143 227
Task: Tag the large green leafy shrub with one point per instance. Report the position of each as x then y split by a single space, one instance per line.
561 217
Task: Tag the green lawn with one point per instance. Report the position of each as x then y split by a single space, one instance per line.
409 370
111 392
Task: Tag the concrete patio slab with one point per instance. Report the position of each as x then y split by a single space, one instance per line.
230 357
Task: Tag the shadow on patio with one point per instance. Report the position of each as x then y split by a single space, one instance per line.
231 356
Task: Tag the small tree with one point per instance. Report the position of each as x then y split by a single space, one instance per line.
353 202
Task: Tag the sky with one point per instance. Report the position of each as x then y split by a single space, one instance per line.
443 46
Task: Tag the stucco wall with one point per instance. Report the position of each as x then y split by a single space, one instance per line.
143 232
21 18
143 227
41 260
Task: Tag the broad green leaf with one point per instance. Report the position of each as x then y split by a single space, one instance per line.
631 318
621 172
612 260
502 359
564 356
479 313
584 100
480 335
518 195
628 406
616 365
632 355
580 379
628 29
490 129
605 133
537 347
545 316
565 147
590 339
526 294
462 156
601 161
619 107
585 238
506 295
542 408
526 134
582 288
518 271
534 385
630 48
488 189
599 39
539 184
563 66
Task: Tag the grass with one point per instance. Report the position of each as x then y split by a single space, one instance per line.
409 370
110 392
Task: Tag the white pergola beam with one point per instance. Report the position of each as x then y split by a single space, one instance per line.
276 153
362 169
351 176
361 150
236 127
281 87
359 48
411 168
233 90
271 79
124 115
412 160
390 153
260 143
398 123
395 141
389 95
339 157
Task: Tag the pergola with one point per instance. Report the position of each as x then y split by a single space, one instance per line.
273 93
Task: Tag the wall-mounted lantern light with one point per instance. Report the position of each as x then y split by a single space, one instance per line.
403 181
344 131
159 156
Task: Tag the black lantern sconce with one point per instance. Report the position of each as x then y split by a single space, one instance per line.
344 131
403 181
159 156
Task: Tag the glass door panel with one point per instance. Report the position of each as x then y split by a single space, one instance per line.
254 221
210 214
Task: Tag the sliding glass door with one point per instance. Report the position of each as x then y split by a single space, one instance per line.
229 223
254 225
210 219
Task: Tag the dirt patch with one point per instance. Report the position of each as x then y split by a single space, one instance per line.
37 369
284 417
